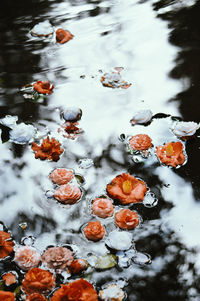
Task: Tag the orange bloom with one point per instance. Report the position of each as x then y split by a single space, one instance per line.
63 36
126 219
140 142
6 244
94 231
78 290
43 87
38 281
61 176
9 278
127 189
102 207
67 194
7 296
171 153
78 265
49 149
36 297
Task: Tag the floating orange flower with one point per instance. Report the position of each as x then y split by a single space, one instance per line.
140 142
38 281
68 194
36 297
27 257
7 296
9 278
49 149
126 219
127 189
63 36
171 153
94 231
78 265
43 87
102 207
78 290
6 244
57 258
61 176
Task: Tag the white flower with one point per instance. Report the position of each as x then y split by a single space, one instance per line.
9 121
119 240
142 116
42 29
22 133
185 128
112 292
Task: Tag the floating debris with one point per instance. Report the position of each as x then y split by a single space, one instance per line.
123 260
43 87
80 179
49 149
70 130
112 292
140 142
85 163
94 231
68 194
22 133
119 240
150 200
141 117
114 80
9 121
102 207
185 129
106 262
42 29
127 189
142 258
61 176
71 114
63 36
23 226
27 257
122 137
57 258
171 154
127 219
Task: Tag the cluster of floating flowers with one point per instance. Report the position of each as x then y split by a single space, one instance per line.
171 153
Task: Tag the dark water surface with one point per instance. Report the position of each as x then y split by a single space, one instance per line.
158 44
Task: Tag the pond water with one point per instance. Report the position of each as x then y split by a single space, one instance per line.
157 43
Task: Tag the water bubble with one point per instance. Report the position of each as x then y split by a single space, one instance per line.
23 226
150 200
142 258
28 240
49 194
85 163
122 137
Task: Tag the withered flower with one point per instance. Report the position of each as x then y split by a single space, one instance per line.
57 258
43 87
49 149
63 36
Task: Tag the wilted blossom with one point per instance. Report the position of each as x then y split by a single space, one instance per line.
78 290
102 207
78 265
141 117
27 257
119 240
63 36
42 29
126 219
7 296
171 153
68 194
38 280
112 292
43 87
185 129
140 142
6 244
22 133
61 176
94 231
49 149
57 258
127 189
